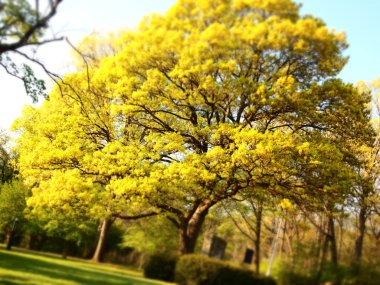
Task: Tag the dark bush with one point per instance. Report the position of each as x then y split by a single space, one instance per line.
201 270
331 274
293 278
196 270
233 275
160 266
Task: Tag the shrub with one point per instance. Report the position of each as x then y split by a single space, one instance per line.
367 274
232 275
294 278
196 270
160 266
344 275
201 270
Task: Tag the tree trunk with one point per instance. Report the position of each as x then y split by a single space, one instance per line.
186 243
325 247
190 227
105 225
332 238
329 238
360 238
320 236
259 216
334 249
65 249
283 237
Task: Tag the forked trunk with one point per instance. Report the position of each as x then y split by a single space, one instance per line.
189 229
186 242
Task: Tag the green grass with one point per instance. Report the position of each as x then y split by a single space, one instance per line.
37 269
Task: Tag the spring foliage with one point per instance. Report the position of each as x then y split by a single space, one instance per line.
214 98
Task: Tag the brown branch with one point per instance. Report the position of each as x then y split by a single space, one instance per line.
135 217
174 221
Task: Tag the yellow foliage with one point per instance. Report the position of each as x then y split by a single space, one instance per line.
212 98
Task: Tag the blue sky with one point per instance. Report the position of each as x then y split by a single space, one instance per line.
360 19
77 18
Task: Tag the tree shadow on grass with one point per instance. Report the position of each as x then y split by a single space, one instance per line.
11 280
58 272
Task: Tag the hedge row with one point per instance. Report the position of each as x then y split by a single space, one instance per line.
201 270
195 269
161 266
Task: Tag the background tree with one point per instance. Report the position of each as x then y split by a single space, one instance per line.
150 236
248 217
71 141
366 193
13 195
6 167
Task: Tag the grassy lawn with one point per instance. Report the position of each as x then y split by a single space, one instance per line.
29 268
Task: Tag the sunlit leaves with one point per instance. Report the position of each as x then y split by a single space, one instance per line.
213 99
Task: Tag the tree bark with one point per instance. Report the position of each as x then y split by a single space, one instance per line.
105 225
259 216
360 238
186 243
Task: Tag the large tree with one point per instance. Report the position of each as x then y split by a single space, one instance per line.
208 101
235 88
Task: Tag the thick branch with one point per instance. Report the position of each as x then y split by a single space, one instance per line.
135 217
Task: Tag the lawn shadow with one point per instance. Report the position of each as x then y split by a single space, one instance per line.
59 272
11 280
